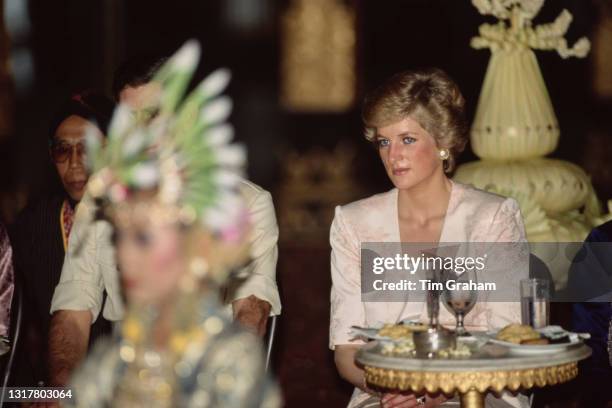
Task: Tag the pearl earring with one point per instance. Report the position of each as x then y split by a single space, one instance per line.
444 154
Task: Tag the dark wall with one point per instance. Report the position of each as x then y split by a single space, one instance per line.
78 44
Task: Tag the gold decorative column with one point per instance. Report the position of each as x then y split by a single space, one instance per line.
318 56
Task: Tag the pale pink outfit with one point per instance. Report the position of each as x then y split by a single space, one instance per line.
472 216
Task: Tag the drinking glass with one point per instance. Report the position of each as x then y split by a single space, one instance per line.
535 308
460 295
433 298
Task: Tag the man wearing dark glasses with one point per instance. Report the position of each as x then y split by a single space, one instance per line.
40 234
67 139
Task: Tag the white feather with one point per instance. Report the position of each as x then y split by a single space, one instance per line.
187 57
232 155
217 110
122 117
215 83
215 218
226 178
219 135
92 138
146 175
134 143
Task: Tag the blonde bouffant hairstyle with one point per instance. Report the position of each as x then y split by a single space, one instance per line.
428 96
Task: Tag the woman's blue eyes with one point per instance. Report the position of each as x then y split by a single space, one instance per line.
405 140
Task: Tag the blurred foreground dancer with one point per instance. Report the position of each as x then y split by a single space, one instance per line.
416 121
41 232
169 185
90 268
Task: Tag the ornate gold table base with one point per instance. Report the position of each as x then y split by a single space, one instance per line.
471 385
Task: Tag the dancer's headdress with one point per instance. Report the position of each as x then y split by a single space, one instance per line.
179 150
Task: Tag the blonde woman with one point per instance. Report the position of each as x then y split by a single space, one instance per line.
416 121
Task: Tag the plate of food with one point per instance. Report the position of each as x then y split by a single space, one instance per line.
523 339
396 340
389 332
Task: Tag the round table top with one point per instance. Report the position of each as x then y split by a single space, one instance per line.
490 357
490 367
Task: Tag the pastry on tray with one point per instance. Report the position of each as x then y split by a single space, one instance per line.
518 334
399 331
